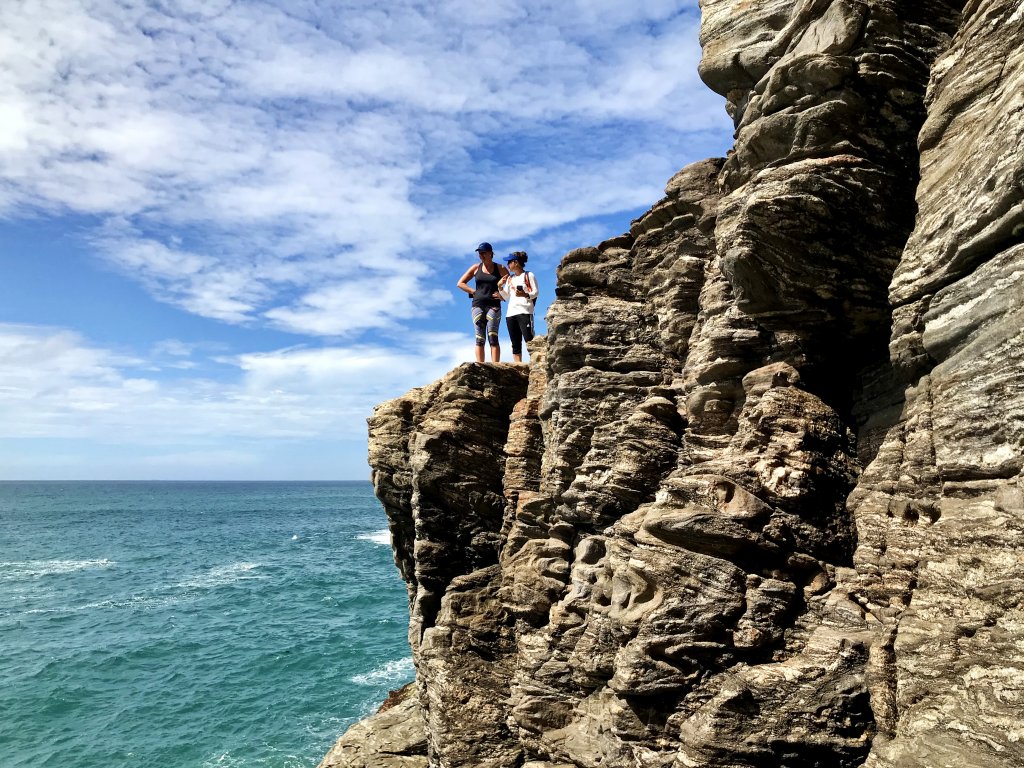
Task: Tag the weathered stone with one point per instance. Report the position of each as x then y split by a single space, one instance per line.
438 463
395 737
971 196
940 510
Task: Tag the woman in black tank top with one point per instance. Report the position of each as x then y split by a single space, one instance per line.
486 300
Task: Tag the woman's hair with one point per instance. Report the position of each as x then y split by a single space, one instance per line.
521 256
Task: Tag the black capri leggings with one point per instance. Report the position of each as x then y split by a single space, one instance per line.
519 327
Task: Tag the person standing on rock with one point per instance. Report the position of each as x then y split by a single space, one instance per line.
486 300
519 288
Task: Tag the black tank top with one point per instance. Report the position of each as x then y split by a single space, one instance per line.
486 287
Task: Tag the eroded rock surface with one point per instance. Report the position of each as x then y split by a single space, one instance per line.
395 737
758 500
438 457
941 510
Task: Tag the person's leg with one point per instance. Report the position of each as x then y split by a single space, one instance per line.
525 327
493 318
479 321
515 335
528 333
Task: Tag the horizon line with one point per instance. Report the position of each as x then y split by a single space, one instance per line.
177 480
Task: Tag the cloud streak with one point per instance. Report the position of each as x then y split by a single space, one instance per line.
58 385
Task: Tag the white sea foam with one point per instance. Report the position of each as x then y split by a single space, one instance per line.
382 537
30 569
132 602
136 602
389 672
224 760
277 757
222 575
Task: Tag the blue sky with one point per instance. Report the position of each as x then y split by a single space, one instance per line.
229 229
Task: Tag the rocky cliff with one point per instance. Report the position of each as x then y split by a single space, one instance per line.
758 500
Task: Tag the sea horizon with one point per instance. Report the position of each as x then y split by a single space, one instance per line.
220 480
194 623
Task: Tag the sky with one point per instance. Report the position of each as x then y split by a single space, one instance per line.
229 228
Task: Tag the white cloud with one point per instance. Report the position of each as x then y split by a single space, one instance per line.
263 164
34 359
172 347
344 308
199 283
200 461
535 200
57 384
368 371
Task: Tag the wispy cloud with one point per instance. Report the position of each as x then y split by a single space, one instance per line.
260 163
57 384
358 304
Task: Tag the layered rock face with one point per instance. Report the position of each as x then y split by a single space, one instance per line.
941 509
758 499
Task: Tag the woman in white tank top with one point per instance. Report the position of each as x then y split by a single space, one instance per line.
519 289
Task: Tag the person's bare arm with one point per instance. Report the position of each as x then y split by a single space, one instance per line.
463 283
503 275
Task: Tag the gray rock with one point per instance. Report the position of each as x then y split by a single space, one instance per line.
438 464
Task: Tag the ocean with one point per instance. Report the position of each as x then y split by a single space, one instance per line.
189 625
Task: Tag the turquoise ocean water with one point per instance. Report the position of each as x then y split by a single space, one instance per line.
186 625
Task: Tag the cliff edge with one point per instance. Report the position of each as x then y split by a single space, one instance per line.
758 500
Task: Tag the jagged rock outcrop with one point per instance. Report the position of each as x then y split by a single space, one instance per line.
395 736
759 501
438 463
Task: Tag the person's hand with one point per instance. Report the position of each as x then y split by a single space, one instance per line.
496 295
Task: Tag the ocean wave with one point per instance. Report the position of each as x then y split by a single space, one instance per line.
134 602
224 760
223 575
31 569
389 672
377 537
276 758
183 592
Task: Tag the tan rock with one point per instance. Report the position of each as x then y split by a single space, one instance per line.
394 737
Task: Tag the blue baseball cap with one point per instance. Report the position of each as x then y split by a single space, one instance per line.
512 257
484 247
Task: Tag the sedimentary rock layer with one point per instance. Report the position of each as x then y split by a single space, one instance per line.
941 510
